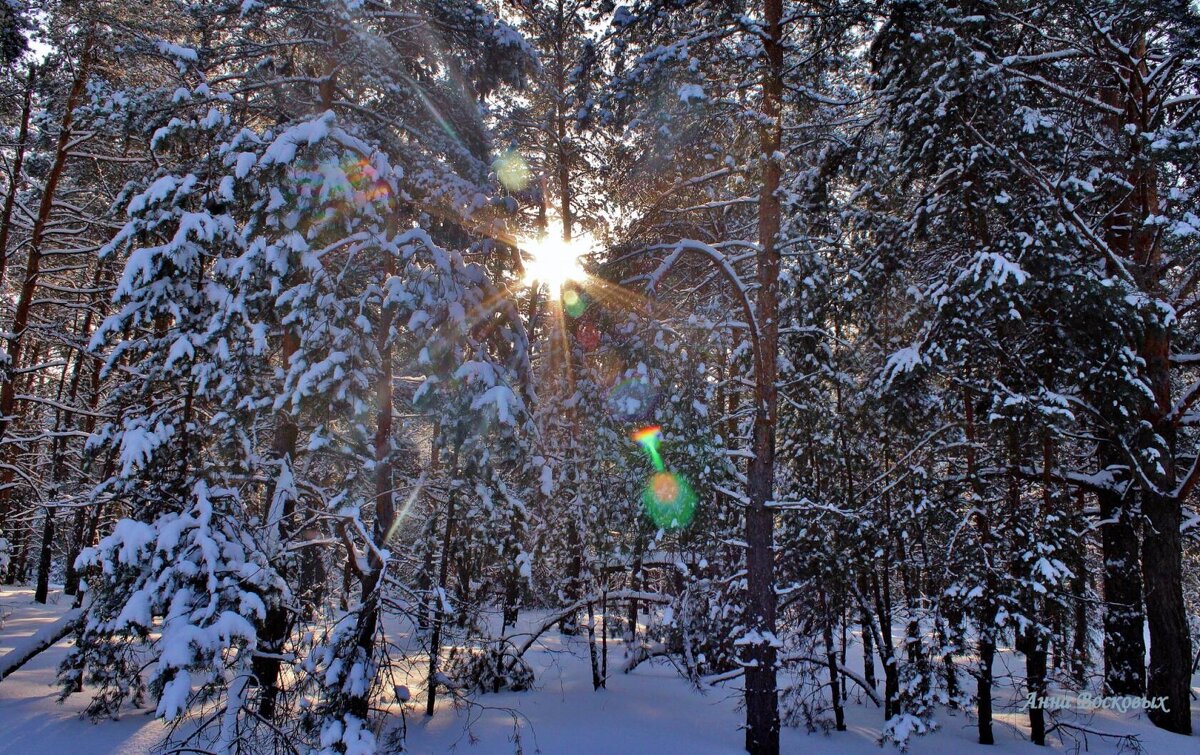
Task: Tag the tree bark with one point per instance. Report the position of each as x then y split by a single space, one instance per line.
1080 645
573 587
1034 642
882 597
1170 643
868 639
831 664
10 200
762 696
512 575
1162 552
276 624
560 124
435 640
58 450
37 238
42 591
1124 622
597 681
385 507
85 525
71 578
74 545
635 581
1033 646
988 609
1130 233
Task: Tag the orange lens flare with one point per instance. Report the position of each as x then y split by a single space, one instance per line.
669 500
664 486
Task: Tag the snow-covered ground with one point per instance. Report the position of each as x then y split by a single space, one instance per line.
651 710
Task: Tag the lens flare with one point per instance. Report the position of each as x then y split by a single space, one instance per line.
631 400
511 170
649 438
588 336
331 189
574 301
670 502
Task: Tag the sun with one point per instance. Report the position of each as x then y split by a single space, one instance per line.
553 261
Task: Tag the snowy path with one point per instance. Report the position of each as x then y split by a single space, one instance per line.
649 711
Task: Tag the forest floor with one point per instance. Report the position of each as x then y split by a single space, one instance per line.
651 710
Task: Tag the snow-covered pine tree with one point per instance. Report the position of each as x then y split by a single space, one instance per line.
272 267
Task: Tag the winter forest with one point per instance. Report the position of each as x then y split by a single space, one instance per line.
669 376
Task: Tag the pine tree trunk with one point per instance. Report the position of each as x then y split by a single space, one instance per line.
1079 588
435 640
86 525
597 682
1170 643
949 672
20 323
762 696
71 577
1162 555
835 690
570 623
604 638
10 200
18 571
844 642
1131 234
881 583
512 577
1034 640
983 691
1124 622
566 215
635 579
42 591
276 624
887 650
57 472
1035 683
868 639
425 577
988 610
429 544
93 523
385 507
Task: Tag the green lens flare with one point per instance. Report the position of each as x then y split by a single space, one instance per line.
574 302
670 502
512 171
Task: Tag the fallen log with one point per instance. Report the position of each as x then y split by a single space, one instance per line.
799 658
42 639
531 637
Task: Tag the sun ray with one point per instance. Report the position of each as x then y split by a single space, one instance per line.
612 293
